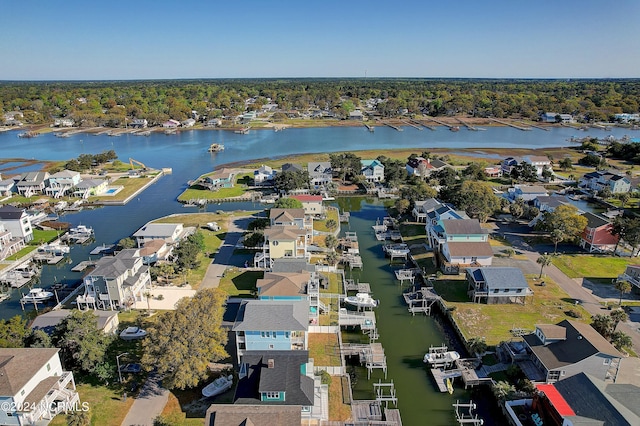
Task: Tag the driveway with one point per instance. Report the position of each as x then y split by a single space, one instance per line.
224 258
149 403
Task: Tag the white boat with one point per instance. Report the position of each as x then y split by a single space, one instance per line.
441 357
216 147
36 295
362 300
82 230
218 386
55 249
132 333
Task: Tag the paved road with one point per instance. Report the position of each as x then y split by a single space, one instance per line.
149 403
573 288
224 257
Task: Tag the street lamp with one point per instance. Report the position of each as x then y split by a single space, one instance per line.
118 364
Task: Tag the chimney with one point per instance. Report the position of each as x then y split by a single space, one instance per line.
271 363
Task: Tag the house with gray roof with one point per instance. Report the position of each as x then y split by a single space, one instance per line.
90 187
167 232
17 222
271 325
31 183
7 186
292 167
557 355
33 386
460 243
116 282
497 285
601 179
62 182
282 378
422 207
527 192
106 321
320 173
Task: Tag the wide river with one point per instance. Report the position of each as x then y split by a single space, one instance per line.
405 338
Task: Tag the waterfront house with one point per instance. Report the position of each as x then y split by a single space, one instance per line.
550 117
171 124
626 118
106 321
507 165
632 275
423 167
292 167
372 170
559 351
17 222
248 414
434 216
62 182
320 173
8 244
220 179
290 217
271 325
539 162
90 188
155 250
283 285
33 386
356 115
167 232
116 282
189 122
460 243
497 285
600 179
7 186
264 175
63 122
214 122
139 123
312 204
527 192
598 235
422 207
31 183
282 378
493 171
282 241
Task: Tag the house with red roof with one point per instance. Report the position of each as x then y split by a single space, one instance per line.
598 235
312 204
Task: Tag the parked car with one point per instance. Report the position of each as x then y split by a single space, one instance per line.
213 226
131 368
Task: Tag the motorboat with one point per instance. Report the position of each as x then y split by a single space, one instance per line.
216 147
55 249
132 333
218 386
441 357
35 295
362 300
82 230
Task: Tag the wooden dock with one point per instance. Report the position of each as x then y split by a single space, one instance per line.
83 265
423 124
350 285
369 127
506 123
467 125
386 123
415 126
442 123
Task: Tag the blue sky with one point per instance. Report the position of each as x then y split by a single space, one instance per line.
142 39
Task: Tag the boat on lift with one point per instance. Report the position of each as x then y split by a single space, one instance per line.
36 295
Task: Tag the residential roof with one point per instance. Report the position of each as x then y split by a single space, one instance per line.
18 365
591 398
595 221
291 264
114 266
284 232
284 376
90 183
157 230
427 205
552 201
582 342
10 212
151 247
531 189
462 227
559 403
291 167
285 215
470 249
500 277
48 321
64 174
252 415
273 315
307 198
32 178
283 283
553 331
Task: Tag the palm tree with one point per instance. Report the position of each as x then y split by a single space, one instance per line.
477 346
621 340
78 418
543 261
618 316
623 286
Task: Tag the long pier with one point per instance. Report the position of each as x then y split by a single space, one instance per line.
386 123
506 123
423 124
415 126
442 123
467 125
369 127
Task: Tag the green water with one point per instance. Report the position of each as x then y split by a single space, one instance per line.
405 338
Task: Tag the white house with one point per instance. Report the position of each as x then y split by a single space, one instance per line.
320 173
33 386
169 232
264 174
31 183
8 244
189 122
373 170
17 222
62 182
312 204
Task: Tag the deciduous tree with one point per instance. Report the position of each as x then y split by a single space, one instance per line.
478 200
564 223
288 203
181 343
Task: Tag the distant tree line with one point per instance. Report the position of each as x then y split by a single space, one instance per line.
112 103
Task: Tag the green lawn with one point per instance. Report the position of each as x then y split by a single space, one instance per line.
107 406
321 225
592 266
239 282
548 305
335 283
42 237
413 232
131 185
22 252
323 348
